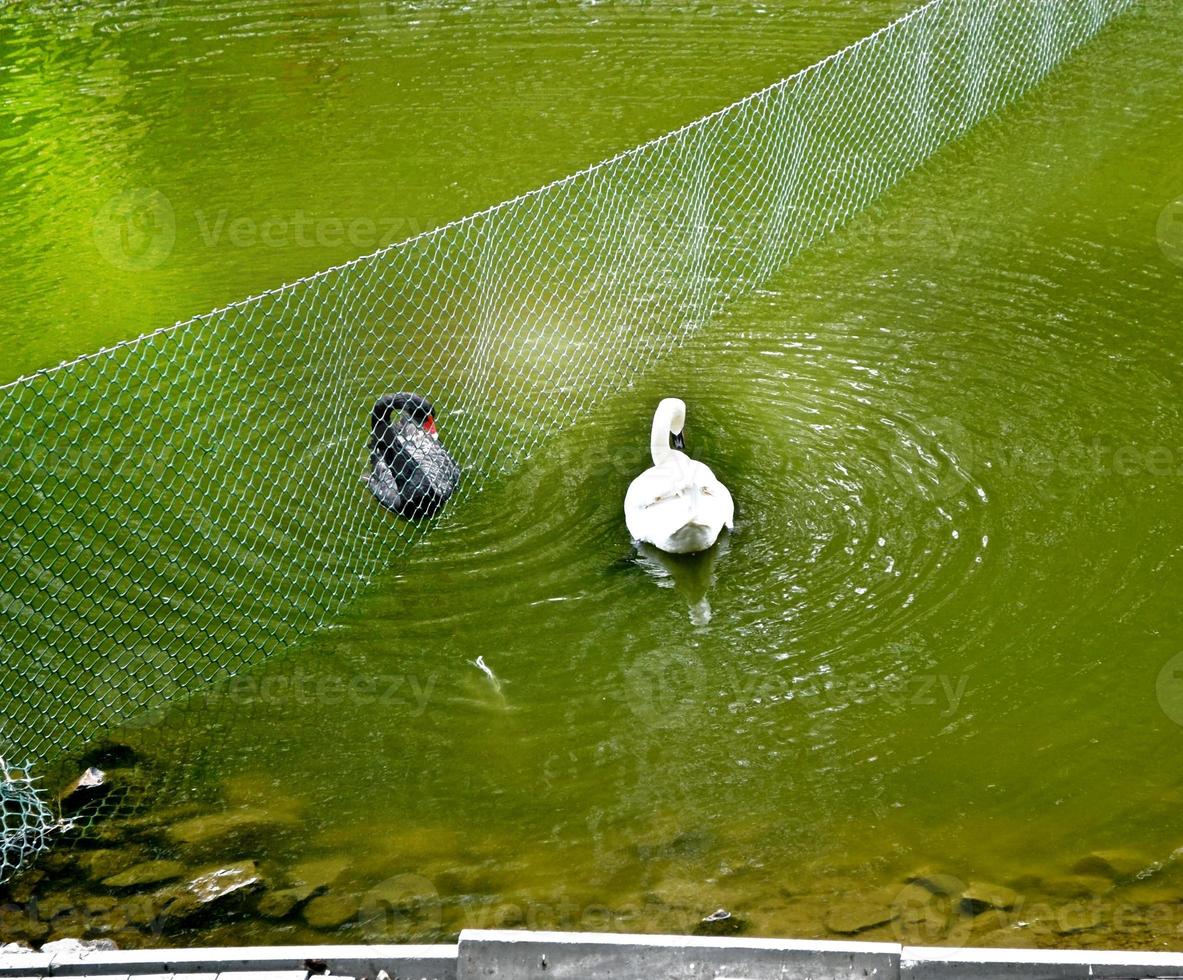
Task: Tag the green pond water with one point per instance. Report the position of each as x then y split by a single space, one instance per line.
945 632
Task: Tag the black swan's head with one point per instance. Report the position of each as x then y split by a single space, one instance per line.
391 413
390 409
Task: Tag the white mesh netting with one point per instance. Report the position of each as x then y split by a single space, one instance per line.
26 821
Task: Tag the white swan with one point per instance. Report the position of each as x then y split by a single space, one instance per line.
676 505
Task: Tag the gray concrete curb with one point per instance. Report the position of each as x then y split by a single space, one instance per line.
936 963
512 955
399 962
522 955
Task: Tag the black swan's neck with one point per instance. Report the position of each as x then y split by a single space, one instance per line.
380 417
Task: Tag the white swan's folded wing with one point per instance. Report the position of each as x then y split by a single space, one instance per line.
678 506
655 507
716 502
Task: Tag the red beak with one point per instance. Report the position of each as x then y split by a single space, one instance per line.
429 427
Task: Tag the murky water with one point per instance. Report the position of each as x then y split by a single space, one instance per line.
945 633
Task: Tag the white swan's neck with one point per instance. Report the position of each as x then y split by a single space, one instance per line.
669 417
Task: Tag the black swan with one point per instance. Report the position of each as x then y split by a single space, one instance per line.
410 472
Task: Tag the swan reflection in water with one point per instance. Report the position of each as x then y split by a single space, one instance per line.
691 575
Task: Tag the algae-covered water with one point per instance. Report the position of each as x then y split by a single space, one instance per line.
938 693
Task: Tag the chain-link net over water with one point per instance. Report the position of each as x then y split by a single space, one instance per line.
26 820
181 506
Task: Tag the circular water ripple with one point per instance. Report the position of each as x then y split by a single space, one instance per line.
853 509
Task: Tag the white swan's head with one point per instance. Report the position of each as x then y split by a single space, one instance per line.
668 422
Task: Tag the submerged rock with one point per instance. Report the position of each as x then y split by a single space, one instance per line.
331 911
979 896
400 906
102 864
720 923
219 889
19 924
1079 917
89 787
937 882
281 904
25 886
1114 865
850 918
154 824
51 906
68 925
216 884
914 902
926 918
142 910
56 863
319 873
72 947
232 832
110 753
1077 886
146 873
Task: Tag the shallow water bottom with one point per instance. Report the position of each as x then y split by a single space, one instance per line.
149 879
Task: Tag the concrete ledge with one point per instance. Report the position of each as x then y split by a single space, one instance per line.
512 955
170 976
401 962
24 964
521 955
936 963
